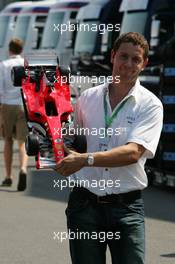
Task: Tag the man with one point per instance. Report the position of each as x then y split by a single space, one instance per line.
13 118
132 118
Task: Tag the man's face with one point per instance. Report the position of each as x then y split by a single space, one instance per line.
128 61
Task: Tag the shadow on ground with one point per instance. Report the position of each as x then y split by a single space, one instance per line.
46 184
171 255
5 189
159 203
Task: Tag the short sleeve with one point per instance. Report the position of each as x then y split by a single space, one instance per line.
147 129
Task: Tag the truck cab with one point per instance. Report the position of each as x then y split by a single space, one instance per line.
162 30
57 36
101 22
8 17
30 24
156 22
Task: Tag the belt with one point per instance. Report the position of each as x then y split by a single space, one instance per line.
109 198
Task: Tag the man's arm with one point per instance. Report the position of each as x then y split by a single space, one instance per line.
119 156
116 157
1 81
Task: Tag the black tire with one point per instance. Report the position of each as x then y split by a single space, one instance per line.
80 143
65 72
32 145
17 74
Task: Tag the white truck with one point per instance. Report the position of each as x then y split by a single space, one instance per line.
100 21
60 30
30 24
8 18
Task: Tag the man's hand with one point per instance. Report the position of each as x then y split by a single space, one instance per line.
72 163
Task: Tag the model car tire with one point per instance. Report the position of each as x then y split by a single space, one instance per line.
65 72
17 74
32 145
80 143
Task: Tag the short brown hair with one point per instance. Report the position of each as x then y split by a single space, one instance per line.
16 45
135 38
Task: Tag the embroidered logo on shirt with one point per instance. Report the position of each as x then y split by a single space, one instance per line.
130 119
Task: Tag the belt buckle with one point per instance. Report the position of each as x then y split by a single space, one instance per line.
101 201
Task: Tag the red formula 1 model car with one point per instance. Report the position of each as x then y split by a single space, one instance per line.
46 98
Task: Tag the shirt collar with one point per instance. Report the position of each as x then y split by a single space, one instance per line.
134 91
15 56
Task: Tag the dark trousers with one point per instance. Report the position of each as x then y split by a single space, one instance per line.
93 226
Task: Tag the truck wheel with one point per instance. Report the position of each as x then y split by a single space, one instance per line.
32 145
17 74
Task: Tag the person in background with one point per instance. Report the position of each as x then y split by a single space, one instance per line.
13 117
132 118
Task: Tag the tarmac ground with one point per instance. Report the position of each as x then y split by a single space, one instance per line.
30 221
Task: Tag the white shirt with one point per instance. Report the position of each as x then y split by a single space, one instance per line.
140 121
9 94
